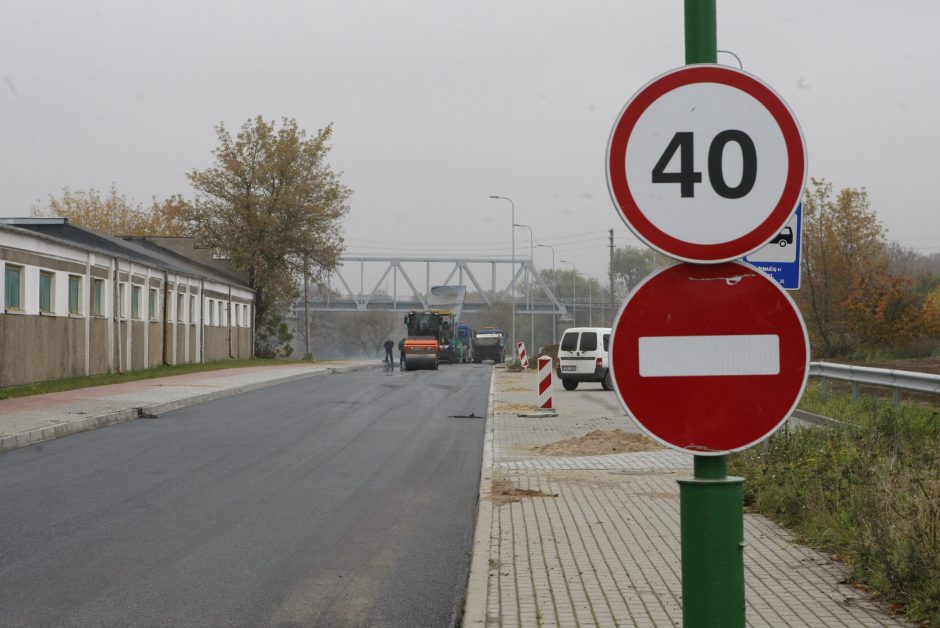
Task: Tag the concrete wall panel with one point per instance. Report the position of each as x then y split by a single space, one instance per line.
98 349
138 359
216 343
156 344
40 348
182 355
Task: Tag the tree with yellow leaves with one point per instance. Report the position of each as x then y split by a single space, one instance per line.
272 204
115 214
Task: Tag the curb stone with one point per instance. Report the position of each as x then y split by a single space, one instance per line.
478 579
85 424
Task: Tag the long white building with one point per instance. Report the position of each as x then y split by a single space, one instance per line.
78 302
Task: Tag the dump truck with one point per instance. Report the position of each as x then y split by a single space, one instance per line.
489 343
430 336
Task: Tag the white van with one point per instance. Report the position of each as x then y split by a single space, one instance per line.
582 357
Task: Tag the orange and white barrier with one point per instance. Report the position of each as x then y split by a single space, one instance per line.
523 358
545 383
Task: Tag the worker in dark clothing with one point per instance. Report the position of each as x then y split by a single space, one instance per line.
389 345
401 353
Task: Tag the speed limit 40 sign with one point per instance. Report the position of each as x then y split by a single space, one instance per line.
706 163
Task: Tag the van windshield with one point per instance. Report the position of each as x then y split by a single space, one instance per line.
588 341
570 341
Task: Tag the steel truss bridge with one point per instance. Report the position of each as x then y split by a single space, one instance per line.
401 289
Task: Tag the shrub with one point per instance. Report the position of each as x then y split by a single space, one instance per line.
869 492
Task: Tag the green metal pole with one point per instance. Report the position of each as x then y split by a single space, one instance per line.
701 40
712 535
711 504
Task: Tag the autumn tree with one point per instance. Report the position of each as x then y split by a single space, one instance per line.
859 294
115 214
270 202
889 314
843 250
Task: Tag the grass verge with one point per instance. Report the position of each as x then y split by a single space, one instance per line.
73 383
869 493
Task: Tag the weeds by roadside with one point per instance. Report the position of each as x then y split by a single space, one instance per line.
868 493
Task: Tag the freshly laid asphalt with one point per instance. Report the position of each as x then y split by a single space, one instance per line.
342 500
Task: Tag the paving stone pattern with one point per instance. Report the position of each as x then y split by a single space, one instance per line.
602 548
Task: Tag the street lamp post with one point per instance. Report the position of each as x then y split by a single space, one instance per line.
574 292
528 290
512 276
554 323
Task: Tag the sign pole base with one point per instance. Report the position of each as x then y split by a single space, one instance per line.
711 509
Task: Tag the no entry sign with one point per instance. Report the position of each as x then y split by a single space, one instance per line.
709 359
706 163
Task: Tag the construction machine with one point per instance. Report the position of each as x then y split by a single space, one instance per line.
430 338
489 343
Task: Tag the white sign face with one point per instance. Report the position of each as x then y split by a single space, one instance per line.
704 356
702 215
706 163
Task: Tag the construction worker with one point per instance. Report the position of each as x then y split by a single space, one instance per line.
389 345
401 353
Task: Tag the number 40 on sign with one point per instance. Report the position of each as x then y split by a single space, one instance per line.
706 163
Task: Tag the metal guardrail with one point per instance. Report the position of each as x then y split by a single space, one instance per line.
890 378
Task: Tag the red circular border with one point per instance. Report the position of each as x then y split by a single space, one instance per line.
632 214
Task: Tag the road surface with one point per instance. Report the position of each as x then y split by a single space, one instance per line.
345 500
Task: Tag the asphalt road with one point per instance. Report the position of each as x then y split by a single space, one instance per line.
344 500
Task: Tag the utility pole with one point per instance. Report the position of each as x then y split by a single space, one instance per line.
612 310
306 315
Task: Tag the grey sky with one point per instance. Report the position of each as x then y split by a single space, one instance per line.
437 105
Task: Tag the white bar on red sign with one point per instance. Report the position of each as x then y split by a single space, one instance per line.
703 356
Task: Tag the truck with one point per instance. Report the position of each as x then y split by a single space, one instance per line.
489 343
430 338
464 343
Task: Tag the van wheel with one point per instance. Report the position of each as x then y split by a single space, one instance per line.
608 382
569 384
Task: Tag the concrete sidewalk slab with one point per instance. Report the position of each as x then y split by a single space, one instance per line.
597 541
29 420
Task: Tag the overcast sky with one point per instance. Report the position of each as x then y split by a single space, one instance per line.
437 105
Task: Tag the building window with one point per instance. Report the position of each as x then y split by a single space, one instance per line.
179 307
122 300
192 309
211 312
135 302
152 304
238 314
247 316
46 286
97 297
13 287
221 315
75 294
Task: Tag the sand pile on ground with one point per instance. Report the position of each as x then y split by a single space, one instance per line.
504 408
504 491
598 443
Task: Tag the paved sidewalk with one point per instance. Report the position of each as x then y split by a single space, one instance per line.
601 548
29 420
